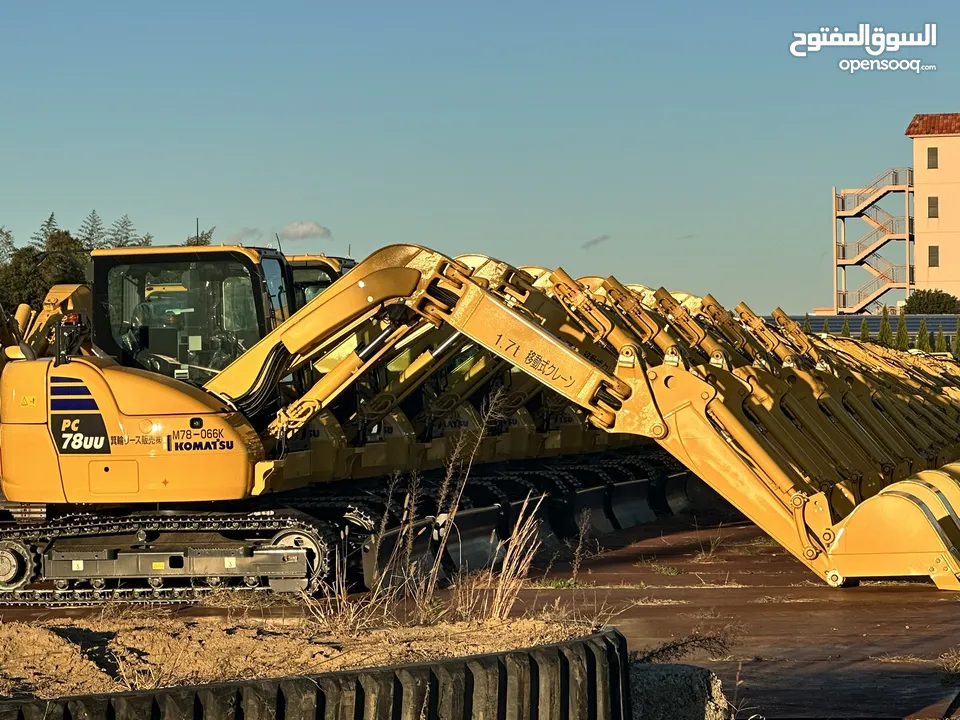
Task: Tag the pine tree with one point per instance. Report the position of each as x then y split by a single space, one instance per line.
92 233
956 340
941 344
49 226
67 259
864 331
885 336
903 339
923 338
145 240
204 238
826 327
122 233
806 323
845 330
7 246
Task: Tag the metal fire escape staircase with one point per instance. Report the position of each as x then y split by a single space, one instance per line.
883 228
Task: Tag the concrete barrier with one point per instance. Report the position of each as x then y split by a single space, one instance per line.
676 692
583 678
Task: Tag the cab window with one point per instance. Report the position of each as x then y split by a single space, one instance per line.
184 319
310 282
276 290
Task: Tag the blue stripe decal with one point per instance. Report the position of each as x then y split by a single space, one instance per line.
61 379
77 390
88 404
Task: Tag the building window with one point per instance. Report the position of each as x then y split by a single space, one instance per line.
933 256
933 207
932 159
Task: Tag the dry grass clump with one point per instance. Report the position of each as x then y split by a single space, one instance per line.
408 596
656 567
708 553
949 663
406 590
899 659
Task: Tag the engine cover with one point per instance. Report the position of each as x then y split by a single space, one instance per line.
69 434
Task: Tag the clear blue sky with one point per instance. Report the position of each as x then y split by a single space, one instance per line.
515 129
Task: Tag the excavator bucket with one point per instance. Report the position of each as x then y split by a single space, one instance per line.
468 542
392 557
473 539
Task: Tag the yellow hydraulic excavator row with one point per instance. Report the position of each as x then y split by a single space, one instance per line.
272 414
339 392
840 450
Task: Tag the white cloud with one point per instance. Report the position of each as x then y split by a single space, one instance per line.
244 233
303 229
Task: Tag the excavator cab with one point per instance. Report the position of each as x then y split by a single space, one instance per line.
312 274
187 312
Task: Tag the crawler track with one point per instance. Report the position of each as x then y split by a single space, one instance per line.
332 518
90 525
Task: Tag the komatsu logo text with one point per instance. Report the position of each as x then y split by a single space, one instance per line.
204 445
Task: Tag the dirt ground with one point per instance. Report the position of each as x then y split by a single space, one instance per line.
800 649
66 657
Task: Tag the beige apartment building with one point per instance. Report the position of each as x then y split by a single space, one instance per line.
924 240
936 201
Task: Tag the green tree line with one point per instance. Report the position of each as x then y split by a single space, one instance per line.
55 255
925 340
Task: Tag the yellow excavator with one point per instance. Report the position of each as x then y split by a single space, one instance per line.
842 453
627 490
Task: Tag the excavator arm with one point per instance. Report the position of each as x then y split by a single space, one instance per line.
705 422
394 275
